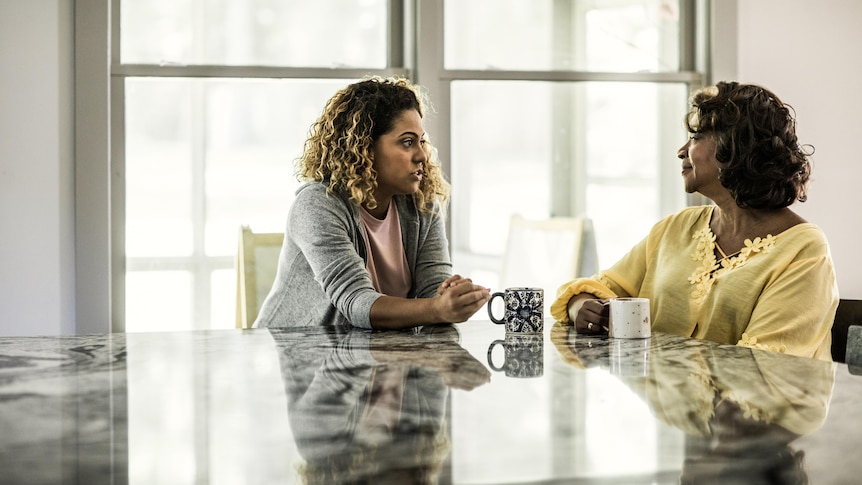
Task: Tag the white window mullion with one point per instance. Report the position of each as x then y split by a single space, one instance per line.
201 273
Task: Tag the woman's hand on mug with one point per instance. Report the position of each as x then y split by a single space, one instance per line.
593 317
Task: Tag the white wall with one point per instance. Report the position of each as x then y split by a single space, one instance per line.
807 53
36 168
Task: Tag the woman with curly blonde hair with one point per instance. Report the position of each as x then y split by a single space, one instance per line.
365 237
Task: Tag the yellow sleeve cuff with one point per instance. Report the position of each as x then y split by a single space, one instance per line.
559 309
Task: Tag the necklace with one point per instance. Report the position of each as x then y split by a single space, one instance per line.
726 256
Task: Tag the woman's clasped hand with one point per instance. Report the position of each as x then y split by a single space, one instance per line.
458 298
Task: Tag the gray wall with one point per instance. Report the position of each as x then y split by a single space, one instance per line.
36 168
807 52
802 50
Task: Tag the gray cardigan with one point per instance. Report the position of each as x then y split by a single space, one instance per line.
321 274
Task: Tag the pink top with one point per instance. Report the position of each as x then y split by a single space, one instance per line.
387 264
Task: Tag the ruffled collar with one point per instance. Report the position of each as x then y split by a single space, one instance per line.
709 269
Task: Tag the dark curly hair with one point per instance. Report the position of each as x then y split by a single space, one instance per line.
340 144
763 164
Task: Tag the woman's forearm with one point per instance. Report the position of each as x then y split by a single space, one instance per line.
454 304
390 312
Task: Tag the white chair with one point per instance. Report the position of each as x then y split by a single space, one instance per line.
547 253
256 263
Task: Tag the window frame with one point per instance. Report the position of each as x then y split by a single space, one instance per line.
432 73
414 27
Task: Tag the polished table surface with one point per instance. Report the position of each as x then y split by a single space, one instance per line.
462 404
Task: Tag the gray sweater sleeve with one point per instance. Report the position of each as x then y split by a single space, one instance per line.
322 271
432 265
323 228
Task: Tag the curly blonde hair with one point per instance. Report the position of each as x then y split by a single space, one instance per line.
339 148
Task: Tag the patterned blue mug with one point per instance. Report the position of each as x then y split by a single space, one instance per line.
524 310
524 355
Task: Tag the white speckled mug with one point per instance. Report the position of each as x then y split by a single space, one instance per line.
629 318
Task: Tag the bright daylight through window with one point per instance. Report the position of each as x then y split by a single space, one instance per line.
542 108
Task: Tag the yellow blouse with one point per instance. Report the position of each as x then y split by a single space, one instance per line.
779 293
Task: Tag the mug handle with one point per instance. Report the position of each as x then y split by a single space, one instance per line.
490 360
490 313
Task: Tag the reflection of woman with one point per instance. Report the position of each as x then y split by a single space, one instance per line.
370 408
767 457
686 390
740 408
365 236
760 404
747 270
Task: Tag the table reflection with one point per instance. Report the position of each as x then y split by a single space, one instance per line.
370 407
740 408
332 404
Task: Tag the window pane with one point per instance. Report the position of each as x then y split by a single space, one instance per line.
632 172
255 130
604 150
158 301
631 36
623 221
619 36
499 34
319 33
501 159
204 157
159 168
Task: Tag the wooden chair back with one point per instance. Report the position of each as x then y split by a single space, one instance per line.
256 264
546 253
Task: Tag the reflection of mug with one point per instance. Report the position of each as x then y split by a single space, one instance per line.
524 309
524 357
629 318
630 357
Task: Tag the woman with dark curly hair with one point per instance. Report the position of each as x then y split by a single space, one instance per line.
747 270
365 237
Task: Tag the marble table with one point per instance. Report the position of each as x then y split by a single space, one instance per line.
459 404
